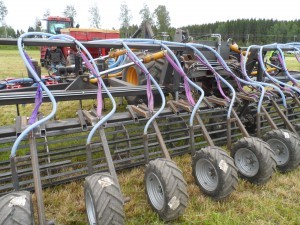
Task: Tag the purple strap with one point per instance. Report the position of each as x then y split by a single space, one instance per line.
99 92
28 60
99 99
225 67
269 94
216 77
242 65
281 61
185 80
297 57
232 75
287 89
38 101
88 64
147 74
38 95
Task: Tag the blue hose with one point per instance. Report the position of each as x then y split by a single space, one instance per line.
107 116
156 85
252 83
162 43
43 86
266 72
122 41
260 82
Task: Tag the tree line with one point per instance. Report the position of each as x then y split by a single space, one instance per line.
250 31
244 31
159 19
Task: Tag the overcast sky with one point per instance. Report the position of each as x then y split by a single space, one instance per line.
22 13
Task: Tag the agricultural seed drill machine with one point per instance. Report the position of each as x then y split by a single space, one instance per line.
205 91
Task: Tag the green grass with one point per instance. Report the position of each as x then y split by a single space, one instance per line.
277 202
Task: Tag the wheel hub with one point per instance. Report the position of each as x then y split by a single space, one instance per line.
246 162
206 174
281 150
155 191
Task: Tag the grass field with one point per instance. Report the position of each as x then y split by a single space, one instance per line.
277 202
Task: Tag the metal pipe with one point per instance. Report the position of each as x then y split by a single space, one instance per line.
37 179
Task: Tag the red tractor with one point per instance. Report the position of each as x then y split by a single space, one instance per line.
64 25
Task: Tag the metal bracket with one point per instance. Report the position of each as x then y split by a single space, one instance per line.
42 126
182 105
246 97
90 118
140 110
82 120
132 114
207 103
217 101
173 107
21 123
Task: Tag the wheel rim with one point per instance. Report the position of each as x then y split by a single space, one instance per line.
132 76
282 153
246 162
155 191
90 208
207 174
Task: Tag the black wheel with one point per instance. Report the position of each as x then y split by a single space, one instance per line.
103 200
135 76
166 189
16 208
285 144
215 172
254 159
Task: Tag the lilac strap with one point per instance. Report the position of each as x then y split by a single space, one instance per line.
99 99
99 92
185 80
216 77
225 67
28 60
38 101
88 64
147 74
297 57
281 60
280 86
242 65
232 75
38 95
149 93
244 72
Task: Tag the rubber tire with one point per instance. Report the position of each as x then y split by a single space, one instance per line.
155 69
222 165
16 214
291 142
174 194
265 157
106 200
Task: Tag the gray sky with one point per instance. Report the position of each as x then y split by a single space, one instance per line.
22 13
